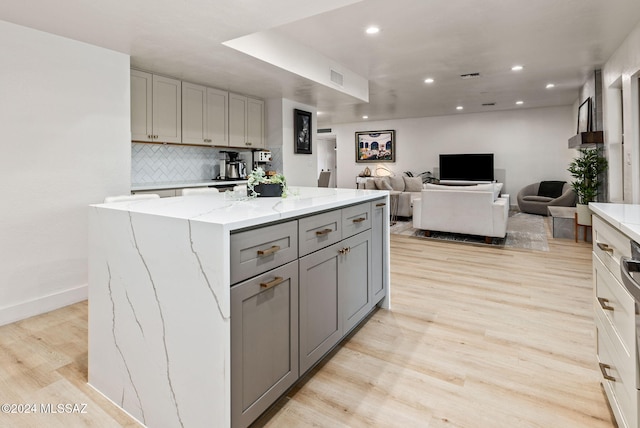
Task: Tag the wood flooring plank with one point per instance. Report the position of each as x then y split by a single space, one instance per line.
477 337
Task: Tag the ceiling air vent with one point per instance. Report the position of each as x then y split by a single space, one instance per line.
488 104
337 78
469 75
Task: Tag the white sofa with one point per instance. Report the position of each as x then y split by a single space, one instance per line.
471 210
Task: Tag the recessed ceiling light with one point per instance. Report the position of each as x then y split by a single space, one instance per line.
459 108
517 68
519 102
550 85
372 30
429 80
365 117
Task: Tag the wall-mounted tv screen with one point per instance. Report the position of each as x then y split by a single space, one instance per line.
466 167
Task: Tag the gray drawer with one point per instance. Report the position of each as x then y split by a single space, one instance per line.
259 250
356 219
319 231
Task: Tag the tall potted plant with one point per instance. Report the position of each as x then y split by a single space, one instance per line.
587 170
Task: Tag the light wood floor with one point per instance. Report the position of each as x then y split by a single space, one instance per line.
477 337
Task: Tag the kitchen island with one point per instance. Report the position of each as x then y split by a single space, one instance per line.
203 310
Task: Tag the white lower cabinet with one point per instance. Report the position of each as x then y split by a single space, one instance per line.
615 319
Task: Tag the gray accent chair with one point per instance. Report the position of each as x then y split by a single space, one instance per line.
530 202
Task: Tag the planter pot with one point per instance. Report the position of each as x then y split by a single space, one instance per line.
584 214
268 190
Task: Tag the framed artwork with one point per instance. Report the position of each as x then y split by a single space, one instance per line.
584 116
302 131
376 146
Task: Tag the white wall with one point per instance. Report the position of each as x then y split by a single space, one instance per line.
299 169
529 144
621 73
65 144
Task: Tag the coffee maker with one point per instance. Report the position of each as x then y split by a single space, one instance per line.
234 168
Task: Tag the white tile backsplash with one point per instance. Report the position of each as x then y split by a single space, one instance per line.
152 163
162 163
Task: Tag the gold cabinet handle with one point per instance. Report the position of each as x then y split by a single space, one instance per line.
359 219
344 250
605 247
273 249
603 370
604 304
381 204
277 280
323 232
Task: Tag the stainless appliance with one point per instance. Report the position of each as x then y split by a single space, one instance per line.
233 168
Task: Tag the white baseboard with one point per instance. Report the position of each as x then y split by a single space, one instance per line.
42 305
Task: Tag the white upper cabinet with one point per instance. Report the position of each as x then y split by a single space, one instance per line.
204 115
194 112
246 122
141 106
156 108
255 123
217 129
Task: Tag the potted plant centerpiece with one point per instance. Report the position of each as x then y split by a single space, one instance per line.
259 184
586 170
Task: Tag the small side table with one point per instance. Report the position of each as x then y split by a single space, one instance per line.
562 221
586 228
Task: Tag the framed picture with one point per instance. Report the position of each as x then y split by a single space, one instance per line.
376 146
302 131
584 116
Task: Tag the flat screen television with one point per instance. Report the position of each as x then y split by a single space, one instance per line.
466 167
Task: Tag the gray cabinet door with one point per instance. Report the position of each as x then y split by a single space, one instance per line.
379 216
355 279
319 231
259 250
264 341
320 316
356 219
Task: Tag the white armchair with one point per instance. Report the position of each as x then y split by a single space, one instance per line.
472 210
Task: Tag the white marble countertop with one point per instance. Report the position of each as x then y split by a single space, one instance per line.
182 184
624 217
234 214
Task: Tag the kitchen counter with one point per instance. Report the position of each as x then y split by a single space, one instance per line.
159 297
625 217
183 184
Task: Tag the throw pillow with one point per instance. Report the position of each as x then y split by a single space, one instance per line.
412 184
397 183
383 184
551 189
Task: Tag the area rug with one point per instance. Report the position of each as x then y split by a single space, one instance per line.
526 231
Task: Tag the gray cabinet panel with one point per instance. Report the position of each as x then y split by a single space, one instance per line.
356 219
355 278
319 231
264 341
259 250
379 216
320 317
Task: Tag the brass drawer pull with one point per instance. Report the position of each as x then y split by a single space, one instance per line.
277 280
359 219
603 369
323 232
270 251
604 247
381 204
344 250
604 304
